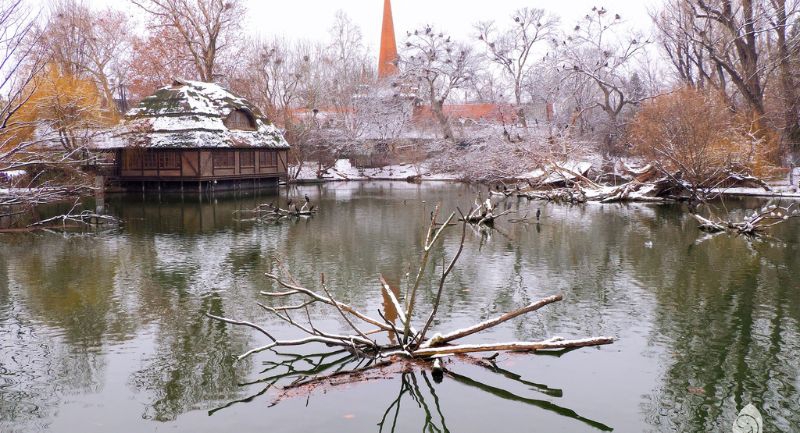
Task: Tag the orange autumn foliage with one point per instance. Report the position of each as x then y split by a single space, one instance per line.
695 133
60 103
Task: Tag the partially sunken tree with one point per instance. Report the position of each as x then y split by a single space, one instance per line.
392 336
436 65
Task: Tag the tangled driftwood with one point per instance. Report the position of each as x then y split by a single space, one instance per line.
483 213
83 218
390 338
73 219
646 184
271 213
753 224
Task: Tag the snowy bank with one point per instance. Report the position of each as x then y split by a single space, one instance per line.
343 170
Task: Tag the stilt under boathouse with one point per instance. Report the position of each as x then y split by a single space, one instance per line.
194 136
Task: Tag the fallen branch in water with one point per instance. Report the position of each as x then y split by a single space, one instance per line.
383 341
753 224
483 214
73 219
272 213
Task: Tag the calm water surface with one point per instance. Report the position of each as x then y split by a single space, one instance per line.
106 332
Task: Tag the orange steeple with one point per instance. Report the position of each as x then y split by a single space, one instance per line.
388 57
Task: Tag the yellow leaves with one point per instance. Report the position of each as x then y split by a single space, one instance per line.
61 102
69 101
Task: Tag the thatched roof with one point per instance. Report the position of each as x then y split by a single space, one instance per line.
193 114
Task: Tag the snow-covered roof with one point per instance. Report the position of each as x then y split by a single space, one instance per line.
192 114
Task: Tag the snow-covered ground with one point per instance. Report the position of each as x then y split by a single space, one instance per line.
558 172
344 170
11 174
777 190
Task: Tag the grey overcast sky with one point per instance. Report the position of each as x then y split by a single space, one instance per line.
311 18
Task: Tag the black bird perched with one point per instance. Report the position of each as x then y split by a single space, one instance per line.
289 203
538 214
305 205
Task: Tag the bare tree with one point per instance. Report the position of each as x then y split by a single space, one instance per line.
787 50
20 61
512 48
692 136
596 52
747 50
156 59
382 112
737 51
286 80
206 29
349 74
680 43
89 43
435 66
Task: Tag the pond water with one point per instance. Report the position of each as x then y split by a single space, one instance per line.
106 332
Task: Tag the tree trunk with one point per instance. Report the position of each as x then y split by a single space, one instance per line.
438 112
520 110
791 131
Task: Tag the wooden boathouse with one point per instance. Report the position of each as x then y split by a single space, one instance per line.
195 135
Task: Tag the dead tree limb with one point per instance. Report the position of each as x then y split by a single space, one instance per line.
405 343
438 340
72 219
518 346
482 214
269 212
753 224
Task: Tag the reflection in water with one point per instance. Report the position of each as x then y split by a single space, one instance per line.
541 404
433 418
110 327
194 365
408 384
738 342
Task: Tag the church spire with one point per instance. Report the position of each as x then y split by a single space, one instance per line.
387 61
